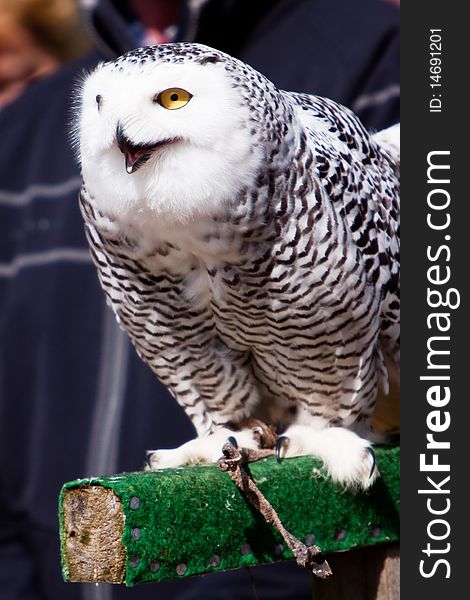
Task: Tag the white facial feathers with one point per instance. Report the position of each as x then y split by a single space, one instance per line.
211 156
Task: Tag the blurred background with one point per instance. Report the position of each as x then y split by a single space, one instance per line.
75 400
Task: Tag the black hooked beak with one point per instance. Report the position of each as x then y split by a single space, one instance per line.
136 154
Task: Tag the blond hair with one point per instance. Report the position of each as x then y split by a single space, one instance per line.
55 25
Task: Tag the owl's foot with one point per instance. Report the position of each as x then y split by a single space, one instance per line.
264 434
201 450
348 458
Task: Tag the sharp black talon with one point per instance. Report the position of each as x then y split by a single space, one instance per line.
232 441
280 442
372 453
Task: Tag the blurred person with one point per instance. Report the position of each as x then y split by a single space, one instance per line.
36 37
75 400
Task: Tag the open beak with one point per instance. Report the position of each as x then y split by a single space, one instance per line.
137 154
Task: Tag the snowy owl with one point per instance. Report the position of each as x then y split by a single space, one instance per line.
247 239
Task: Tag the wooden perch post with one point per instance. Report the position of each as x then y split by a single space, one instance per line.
370 573
150 526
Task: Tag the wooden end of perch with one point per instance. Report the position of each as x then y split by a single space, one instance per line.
93 526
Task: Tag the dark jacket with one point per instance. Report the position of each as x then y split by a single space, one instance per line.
75 400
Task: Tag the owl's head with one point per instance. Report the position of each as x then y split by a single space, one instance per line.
173 131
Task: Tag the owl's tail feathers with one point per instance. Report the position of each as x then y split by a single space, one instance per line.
389 140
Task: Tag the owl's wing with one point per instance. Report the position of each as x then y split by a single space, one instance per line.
357 170
359 174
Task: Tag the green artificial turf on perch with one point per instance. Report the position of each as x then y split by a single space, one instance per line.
168 524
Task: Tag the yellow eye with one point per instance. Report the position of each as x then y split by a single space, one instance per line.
173 98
